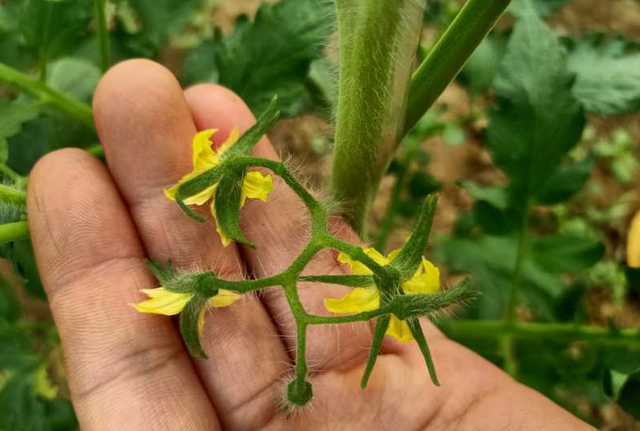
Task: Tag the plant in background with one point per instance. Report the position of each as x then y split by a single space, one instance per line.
542 87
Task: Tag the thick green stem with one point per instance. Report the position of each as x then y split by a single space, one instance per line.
378 41
512 305
453 49
495 329
17 231
74 108
11 195
103 35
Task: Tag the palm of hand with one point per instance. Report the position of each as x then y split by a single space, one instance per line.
93 228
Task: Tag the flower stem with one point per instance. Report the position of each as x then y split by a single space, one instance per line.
16 231
103 35
74 108
451 52
377 45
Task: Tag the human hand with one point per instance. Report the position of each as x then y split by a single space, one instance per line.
93 227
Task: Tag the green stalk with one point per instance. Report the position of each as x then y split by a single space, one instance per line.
74 108
451 52
567 332
17 231
378 40
512 305
103 35
11 195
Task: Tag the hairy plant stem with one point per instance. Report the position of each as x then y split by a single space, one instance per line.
13 196
16 231
378 40
103 35
74 108
445 60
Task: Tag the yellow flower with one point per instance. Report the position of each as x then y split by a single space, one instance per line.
163 301
425 280
633 243
255 186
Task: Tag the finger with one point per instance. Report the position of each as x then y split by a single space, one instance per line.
280 229
142 117
126 371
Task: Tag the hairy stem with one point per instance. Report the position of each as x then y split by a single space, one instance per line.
17 231
74 108
11 195
453 49
377 45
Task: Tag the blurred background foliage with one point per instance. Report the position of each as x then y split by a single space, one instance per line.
533 150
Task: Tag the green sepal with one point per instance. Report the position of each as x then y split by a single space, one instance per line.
227 205
412 306
382 323
161 273
299 392
204 284
251 137
416 330
410 258
189 326
196 185
343 280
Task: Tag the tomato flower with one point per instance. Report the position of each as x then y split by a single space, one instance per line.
425 280
255 186
168 303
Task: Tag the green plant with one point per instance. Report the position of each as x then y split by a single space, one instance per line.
542 87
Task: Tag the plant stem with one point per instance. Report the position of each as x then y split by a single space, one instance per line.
512 305
377 45
11 195
477 329
16 231
451 52
103 35
74 108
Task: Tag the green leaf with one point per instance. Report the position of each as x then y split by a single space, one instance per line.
495 195
9 305
268 56
227 204
21 408
481 68
559 254
13 115
76 77
189 326
542 7
162 20
608 73
53 28
537 120
625 389
566 182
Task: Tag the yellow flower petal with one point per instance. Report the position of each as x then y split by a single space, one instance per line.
425 280
359 299
394 254
399 329
204 157
232 139
256 186
633 243
162 301
224 298
359 268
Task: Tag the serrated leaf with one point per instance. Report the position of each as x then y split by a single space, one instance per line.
608 75
53 28
537 120
189 326
162 19
558 254
268 56
227 204
566 182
